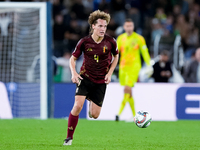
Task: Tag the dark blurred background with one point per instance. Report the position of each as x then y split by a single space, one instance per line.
159 21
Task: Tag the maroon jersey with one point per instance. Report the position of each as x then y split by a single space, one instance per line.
97 57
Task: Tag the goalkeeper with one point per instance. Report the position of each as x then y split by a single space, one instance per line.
130 46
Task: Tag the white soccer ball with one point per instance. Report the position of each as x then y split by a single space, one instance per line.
142 119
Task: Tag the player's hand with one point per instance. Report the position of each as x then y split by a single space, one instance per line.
76 78
107 78
149 71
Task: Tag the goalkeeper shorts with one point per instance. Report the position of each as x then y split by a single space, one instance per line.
128 78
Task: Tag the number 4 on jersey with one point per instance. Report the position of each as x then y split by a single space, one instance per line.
96 57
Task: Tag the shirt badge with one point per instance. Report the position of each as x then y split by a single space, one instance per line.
105 49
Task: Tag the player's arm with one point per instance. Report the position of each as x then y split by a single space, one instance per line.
119 43
75 76
145 54
112 68
144 51
115 54
72 62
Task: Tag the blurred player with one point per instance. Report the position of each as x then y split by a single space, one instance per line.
96 70
130 45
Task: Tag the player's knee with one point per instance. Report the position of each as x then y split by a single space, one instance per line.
78 107
94 115
128 90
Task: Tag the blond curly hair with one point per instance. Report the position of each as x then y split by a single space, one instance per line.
94 16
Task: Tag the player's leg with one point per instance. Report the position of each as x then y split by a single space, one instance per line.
130 79
133 77
122 80
73 118
78 105
124 101
130 100
96 97
94 110
131 103
128 92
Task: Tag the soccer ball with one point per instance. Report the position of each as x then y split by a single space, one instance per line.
142 119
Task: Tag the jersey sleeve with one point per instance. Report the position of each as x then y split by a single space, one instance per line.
114 50
144 50
78 49
119 43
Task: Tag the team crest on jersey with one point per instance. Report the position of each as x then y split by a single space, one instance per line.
105 49
89 49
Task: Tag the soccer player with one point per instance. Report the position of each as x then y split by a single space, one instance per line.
130 45
100 59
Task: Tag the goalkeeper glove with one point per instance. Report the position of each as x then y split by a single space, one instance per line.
148 71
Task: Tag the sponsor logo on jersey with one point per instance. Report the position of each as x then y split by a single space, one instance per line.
89 49
105 49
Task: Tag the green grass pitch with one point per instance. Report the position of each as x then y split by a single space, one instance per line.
33 134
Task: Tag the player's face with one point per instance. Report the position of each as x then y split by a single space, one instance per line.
128 27
100 27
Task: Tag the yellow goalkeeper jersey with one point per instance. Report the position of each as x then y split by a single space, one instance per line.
130 48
